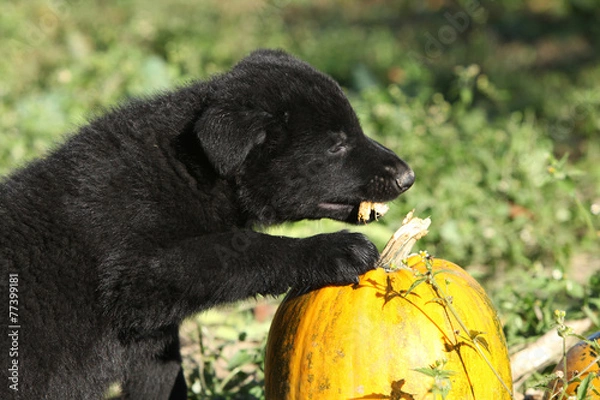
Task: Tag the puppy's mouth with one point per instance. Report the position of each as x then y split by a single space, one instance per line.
361 213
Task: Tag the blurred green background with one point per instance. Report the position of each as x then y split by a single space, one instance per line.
495 105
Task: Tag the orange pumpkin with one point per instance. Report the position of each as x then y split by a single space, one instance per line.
581 360
421 331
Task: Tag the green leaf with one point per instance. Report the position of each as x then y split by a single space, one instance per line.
416 283
478 338
582 390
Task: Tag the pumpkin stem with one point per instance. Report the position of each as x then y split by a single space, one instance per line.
400 245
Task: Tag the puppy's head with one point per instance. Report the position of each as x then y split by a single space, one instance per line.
289 139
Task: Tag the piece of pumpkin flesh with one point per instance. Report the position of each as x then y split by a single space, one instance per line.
366 208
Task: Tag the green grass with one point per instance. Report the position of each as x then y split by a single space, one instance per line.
500 123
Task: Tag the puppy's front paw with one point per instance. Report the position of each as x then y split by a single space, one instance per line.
338 258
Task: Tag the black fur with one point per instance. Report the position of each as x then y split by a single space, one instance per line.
144 217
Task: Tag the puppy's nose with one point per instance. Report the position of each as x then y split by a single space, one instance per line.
405 180
403 176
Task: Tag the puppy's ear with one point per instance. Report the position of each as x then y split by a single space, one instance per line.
228 136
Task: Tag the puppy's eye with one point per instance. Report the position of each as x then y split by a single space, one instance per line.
338 148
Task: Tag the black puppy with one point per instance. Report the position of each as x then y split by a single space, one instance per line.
144 217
